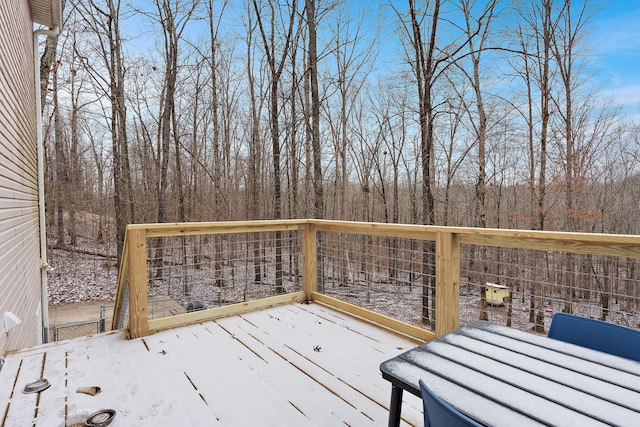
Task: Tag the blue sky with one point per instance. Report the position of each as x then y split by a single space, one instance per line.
616 30
615 42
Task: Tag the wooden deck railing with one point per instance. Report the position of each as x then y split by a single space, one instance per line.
134 277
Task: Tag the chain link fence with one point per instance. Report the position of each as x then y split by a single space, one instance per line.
81 329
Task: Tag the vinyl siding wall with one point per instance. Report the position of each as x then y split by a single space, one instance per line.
19 233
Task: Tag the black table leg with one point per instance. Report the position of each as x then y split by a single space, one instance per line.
396 406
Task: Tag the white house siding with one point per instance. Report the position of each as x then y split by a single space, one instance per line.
19 233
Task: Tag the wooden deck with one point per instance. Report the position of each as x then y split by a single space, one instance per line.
291 365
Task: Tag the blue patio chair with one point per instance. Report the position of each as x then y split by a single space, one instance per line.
438 413
596 334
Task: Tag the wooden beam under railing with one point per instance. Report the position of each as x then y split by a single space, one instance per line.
163 323
415 333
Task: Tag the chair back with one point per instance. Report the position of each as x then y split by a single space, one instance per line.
596 334
438 413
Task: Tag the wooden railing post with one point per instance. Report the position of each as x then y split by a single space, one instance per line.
447 282
138 304
309 260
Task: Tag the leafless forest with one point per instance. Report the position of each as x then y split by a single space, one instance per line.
461 112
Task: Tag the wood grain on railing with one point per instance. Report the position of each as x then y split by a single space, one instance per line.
309 261
138 302
223 227
407 231
411 332
447 282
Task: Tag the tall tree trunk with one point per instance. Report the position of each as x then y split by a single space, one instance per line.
118 125
318 190
565 42
276 67
219 206
61 164
480 127
424 69
74 179
254 157
47 61
545 100
318 204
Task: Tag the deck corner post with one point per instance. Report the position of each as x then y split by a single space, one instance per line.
447 282
138 303
309 260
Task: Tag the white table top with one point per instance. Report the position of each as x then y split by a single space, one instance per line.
500 376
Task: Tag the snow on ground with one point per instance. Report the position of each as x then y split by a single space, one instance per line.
78 277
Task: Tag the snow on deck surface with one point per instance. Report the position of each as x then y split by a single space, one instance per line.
292 365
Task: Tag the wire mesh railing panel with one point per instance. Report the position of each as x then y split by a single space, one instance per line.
191 273
388 275
123 305
523 288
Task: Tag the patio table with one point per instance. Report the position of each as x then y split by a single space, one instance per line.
501 376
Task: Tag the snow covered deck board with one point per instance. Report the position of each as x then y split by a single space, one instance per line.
289 365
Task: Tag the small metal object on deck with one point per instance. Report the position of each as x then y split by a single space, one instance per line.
36 386
101 418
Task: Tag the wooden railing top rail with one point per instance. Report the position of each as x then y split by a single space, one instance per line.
575 242
194 228
487 236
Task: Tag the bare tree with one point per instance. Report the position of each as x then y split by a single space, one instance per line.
173 16
455 145
429 62
276 67
424 66
353 54
477 32
47 64
255 145
103 18
535 34
62 173
318 203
